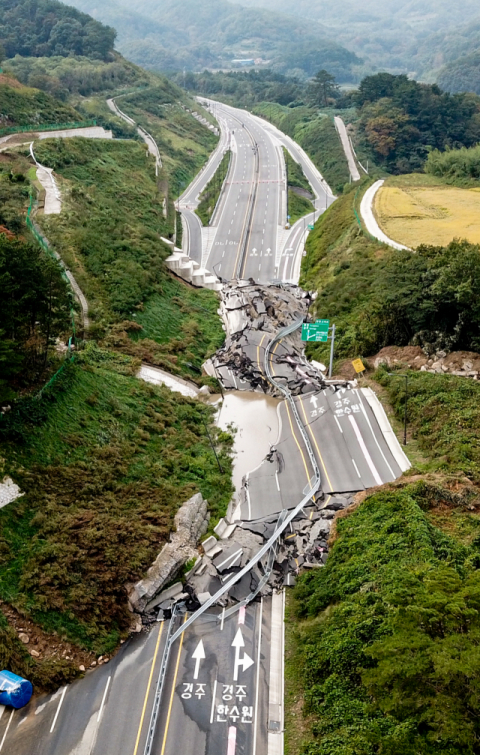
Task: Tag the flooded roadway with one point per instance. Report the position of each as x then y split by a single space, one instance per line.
255 419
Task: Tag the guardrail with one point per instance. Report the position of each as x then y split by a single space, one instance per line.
281 527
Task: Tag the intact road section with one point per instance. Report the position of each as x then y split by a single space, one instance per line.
247 237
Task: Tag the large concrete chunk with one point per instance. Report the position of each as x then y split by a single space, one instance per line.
191 522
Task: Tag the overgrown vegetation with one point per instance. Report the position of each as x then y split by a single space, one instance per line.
211 194
457 166
299 189
34 310
388 634
76 75
118 257
443 416
47 27
184 143
105 461
22 106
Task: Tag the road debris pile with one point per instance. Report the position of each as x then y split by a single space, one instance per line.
252 314
303 545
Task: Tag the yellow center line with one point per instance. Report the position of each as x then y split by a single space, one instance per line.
298 444
312 435
271 355
173 690
258 352
148 688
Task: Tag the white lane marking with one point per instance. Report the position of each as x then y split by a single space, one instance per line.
254 749
231 558
338 423
260 266
58 710
374 434
249 502
356 468
222 622
223 255
220 266
241 615
2 710
104 698
232 740
276 480
6 730
361 442
214 700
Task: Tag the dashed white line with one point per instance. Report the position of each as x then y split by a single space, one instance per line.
6 730
58 710
356 468
214 699
104 698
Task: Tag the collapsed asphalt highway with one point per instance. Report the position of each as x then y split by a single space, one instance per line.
219 689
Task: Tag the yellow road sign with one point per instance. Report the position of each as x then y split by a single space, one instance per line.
358 365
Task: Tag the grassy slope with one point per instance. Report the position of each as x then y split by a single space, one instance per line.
104 473
344 266
211 193
109 233
316 133
25 106
184 143
298 205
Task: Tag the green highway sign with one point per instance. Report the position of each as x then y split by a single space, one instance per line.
311 226
315 331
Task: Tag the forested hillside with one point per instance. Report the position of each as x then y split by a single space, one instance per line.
409 36
402 120
46 27
159 37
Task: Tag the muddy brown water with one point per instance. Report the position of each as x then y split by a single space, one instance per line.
255 418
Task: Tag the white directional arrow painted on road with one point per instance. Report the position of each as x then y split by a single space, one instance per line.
254 252
244 662
314 401
199 656
269 251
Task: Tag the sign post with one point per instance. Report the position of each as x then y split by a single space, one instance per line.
332 347
318 332
358 366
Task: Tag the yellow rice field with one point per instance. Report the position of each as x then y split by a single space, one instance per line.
415 215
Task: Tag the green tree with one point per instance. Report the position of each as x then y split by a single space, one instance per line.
322 88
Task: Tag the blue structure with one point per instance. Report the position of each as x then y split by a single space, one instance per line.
14 690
